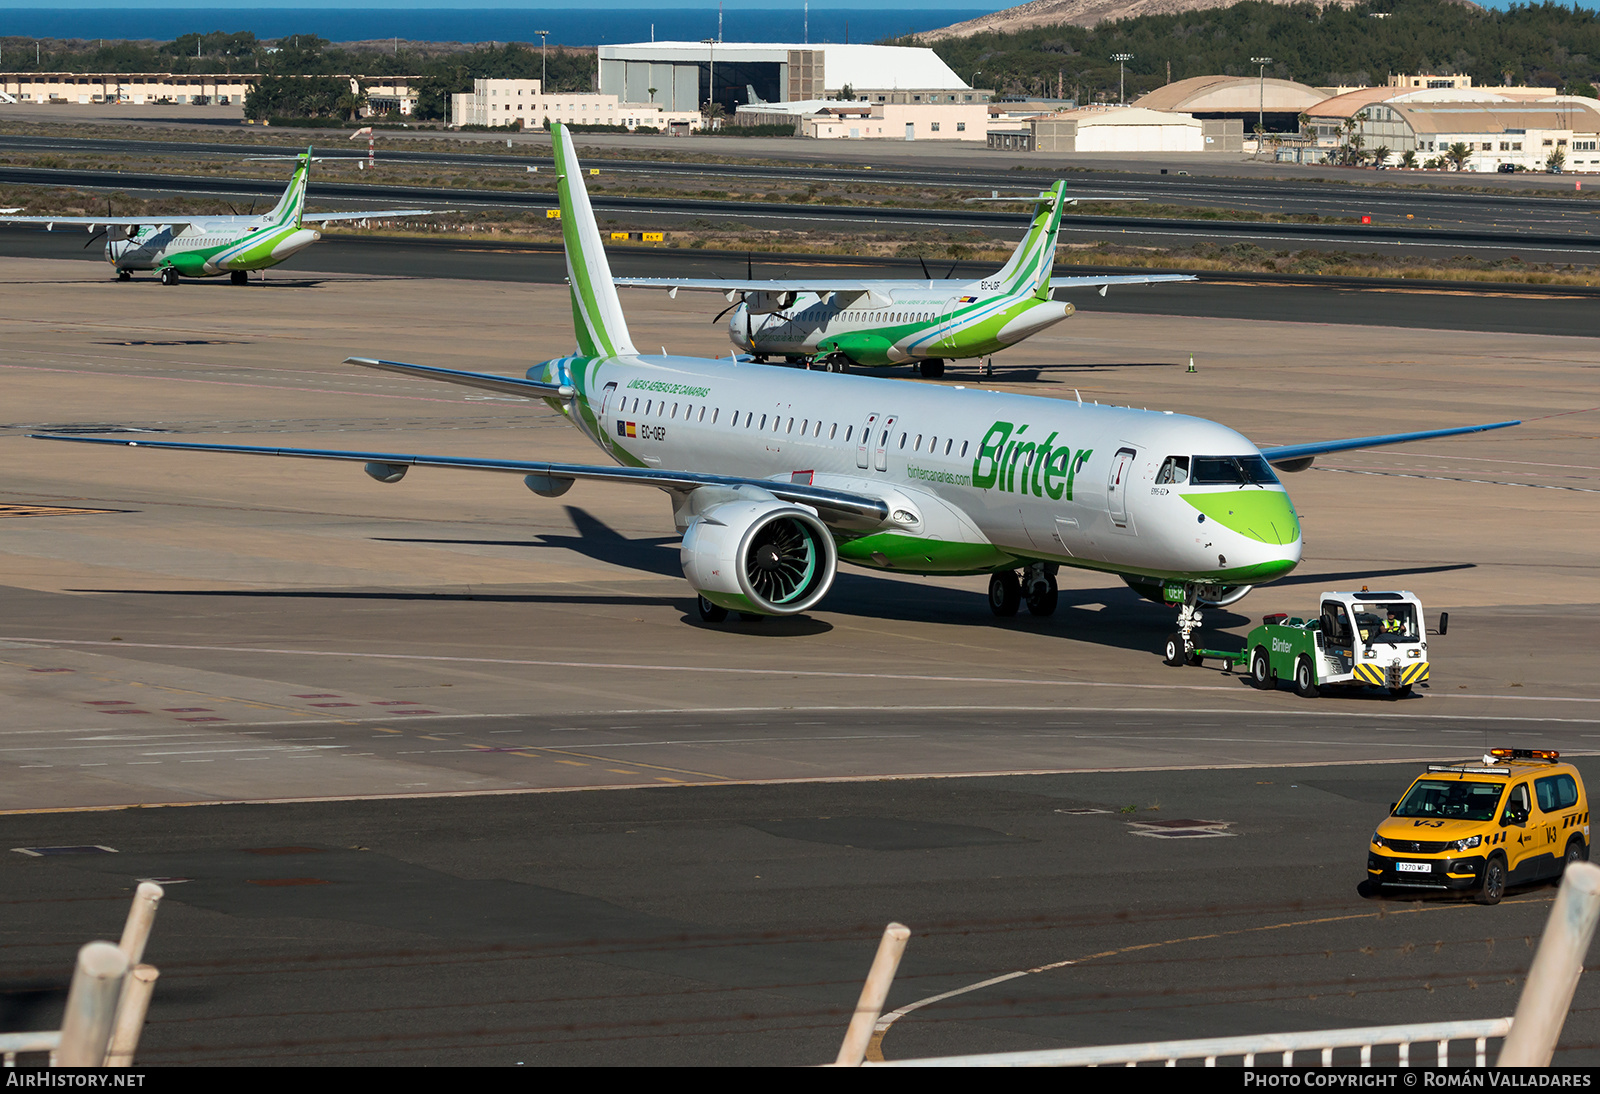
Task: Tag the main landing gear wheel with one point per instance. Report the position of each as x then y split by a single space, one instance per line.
709 612
1039 588
1304 685
239 277
931 368
169 276
124 275
1042 597
1005 593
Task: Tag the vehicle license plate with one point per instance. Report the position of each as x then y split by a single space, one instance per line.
1414 867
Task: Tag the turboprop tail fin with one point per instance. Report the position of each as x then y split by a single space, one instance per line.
596 312
1030 265
293 202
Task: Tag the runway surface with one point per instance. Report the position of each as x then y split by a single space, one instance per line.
445 773
1532 229
1452 306
1513 202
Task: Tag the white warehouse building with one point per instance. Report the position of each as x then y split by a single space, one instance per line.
683 75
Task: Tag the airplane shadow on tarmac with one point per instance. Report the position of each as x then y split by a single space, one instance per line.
1111 616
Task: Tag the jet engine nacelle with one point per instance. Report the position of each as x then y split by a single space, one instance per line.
767 556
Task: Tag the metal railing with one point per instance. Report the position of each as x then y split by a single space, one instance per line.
1530 1036
107 1002
1248 1050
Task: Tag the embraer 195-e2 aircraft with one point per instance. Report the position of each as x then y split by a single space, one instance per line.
776 475
210 246
833 324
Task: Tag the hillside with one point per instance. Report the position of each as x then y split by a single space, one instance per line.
1088 13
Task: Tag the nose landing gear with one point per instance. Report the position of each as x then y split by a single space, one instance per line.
1181 648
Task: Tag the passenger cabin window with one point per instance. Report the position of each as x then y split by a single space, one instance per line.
833 431
1174 471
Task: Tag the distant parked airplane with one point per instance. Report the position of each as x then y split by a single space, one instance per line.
833 324
210 245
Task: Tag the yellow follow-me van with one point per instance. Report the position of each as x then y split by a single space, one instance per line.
1518 816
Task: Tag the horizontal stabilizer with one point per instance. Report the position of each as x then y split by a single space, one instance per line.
1303 453
840 502
1093 281
376 214
488 381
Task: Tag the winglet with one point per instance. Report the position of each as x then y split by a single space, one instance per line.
596 312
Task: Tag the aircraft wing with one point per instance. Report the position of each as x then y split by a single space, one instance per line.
712 284
376 214
1298 457
834 502
1098 280
92 223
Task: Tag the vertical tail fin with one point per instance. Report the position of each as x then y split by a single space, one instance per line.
596 312
293 202
1030 265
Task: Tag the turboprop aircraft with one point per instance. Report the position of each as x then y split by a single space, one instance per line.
776 476
209 246
833 324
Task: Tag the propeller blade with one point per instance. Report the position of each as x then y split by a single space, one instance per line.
924 266
951 270
726 310
94 237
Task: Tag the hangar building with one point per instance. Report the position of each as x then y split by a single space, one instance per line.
681 73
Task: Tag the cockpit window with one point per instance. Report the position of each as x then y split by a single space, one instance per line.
1232 471
1174 471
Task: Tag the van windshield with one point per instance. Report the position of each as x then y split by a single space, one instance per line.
1451 799
1231 471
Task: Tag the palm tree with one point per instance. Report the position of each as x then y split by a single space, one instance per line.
1408 159
1380 155
1457 155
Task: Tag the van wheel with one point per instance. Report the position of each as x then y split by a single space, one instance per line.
1494 882
1261 670
1576 852
1304 680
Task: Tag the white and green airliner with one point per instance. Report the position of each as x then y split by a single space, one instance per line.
832 324
210 246
776 476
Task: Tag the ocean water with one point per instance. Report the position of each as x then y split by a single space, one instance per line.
572 27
